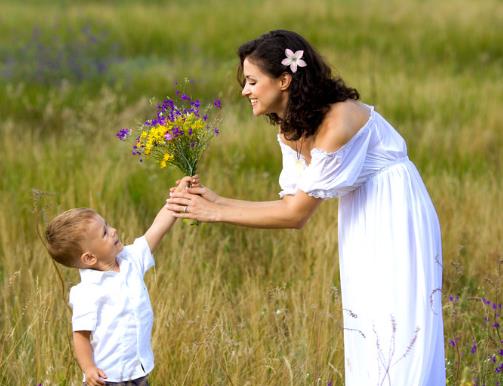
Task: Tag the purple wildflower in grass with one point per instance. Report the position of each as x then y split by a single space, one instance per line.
168 136
217 103
453 299
216 131
453 342
122 134
501 353
190 131
185 97
493 358
496 325
473 350
499 369
205 117
329 383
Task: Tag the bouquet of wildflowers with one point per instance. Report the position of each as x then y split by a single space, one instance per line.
179 133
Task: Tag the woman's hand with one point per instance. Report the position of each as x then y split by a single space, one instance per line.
192 204
197 188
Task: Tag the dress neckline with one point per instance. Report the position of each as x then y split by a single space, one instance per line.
330 153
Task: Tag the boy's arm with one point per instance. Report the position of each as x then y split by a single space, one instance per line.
84 354
163 221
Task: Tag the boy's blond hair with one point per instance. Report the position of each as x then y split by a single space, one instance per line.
65 233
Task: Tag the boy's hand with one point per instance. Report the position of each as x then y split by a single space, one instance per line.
186 182
95 376
195 187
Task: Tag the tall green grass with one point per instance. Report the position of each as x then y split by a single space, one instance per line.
239 306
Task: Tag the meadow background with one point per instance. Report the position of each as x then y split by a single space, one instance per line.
238 306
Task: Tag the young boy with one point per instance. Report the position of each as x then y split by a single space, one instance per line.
112 315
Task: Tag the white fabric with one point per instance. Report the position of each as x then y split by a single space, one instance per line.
115 307
389 253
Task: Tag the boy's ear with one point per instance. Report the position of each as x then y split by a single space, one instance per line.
87 258
285 79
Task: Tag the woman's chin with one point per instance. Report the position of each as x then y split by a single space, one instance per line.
256 112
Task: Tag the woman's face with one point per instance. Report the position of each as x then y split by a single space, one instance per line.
266 94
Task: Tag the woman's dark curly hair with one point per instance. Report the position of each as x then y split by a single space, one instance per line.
312 90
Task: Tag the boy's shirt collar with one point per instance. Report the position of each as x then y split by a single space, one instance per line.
93 276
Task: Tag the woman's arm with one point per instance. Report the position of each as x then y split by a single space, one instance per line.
290 212
211 196
84 355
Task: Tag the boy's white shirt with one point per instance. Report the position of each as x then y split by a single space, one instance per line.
115 307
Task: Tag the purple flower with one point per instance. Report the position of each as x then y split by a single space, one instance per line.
205 117
496 325
185 97
176 132
499 369
217 103
453 342
190 131
168 136
122 134
216 131
474 347
501 353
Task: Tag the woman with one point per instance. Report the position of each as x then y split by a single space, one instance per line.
389 234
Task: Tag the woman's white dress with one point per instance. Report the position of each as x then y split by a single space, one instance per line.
389 253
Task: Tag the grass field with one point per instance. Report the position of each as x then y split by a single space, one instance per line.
236 306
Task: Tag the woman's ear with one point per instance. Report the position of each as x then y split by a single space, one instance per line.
285 79
88 259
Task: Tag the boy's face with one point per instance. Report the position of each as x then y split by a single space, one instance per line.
102 242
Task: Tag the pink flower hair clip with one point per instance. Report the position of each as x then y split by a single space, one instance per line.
293 59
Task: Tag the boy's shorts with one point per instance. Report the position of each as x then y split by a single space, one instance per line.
143 381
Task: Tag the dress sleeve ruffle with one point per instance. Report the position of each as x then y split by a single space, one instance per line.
333 174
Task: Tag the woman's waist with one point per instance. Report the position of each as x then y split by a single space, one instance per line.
374 168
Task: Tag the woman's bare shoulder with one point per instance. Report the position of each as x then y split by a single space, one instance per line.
341 123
